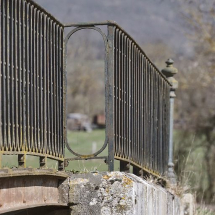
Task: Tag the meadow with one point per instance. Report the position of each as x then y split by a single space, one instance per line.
82 143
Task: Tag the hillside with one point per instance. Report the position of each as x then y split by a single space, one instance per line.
147 21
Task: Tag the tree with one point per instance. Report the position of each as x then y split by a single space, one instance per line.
196 97
85 78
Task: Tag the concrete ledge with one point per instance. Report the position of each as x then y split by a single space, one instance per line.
86 194
119 193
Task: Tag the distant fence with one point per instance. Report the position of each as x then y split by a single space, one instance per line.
31 94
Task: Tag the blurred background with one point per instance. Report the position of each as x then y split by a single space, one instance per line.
182 30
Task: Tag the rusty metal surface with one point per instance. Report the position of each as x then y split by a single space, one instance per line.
21 192
16 172
32 109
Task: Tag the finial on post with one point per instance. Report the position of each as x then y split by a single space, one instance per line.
169 72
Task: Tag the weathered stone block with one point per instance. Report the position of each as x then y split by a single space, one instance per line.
119 193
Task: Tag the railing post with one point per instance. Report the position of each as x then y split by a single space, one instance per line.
60 165
109 77
169 72
22 160
137 171
43 162
124 166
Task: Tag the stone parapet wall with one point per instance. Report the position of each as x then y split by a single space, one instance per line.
119 193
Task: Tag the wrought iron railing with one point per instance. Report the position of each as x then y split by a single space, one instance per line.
32 109
33 93
137 104
141 107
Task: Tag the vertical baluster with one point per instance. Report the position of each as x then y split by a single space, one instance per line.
133 83
61 90
52 145
1 69
170 96
11 50
160 151
167 113
44 82
163 123
37 75
40 80
20 76
126 61
23 77
155 119
122 95
152 117
137 105
145 102
149 114
51 89
8 66
54 89
117 93
3 78
33 73
57 51
64 102
116 60
132 102
34 79
137 111
141 110
125 99
158 123
120 92
31 70
115 90
135 102
47 87
165 148
129 100
27 21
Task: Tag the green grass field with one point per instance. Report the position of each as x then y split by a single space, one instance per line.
86 143
82 143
